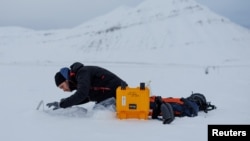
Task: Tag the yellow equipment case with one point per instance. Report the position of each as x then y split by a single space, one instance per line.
132 102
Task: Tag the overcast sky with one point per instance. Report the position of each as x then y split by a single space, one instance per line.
56 14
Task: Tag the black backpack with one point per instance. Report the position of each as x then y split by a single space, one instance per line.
201 101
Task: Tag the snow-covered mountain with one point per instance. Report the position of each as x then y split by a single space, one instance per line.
176 45
163 31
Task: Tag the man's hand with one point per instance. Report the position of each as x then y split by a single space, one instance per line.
55 104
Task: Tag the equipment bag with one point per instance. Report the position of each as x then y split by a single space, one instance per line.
181 106
189 106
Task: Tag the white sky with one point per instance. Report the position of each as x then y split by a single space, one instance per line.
56 14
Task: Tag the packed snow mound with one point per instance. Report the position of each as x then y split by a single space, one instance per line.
79 111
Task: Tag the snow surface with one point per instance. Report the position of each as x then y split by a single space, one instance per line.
176 46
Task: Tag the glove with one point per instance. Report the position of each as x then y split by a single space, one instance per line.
55 104
62 100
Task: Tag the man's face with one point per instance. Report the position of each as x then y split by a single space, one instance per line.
64 86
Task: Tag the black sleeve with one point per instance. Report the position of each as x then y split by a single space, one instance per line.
84 101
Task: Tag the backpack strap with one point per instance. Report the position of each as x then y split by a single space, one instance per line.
164 109
156 107
209 107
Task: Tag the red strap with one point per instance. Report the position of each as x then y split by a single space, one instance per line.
72 74
100 88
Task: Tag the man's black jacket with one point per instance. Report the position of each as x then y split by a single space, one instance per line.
92 83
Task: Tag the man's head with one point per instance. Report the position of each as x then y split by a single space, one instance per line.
61 77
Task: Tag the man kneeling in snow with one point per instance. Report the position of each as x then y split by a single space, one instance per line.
96 84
